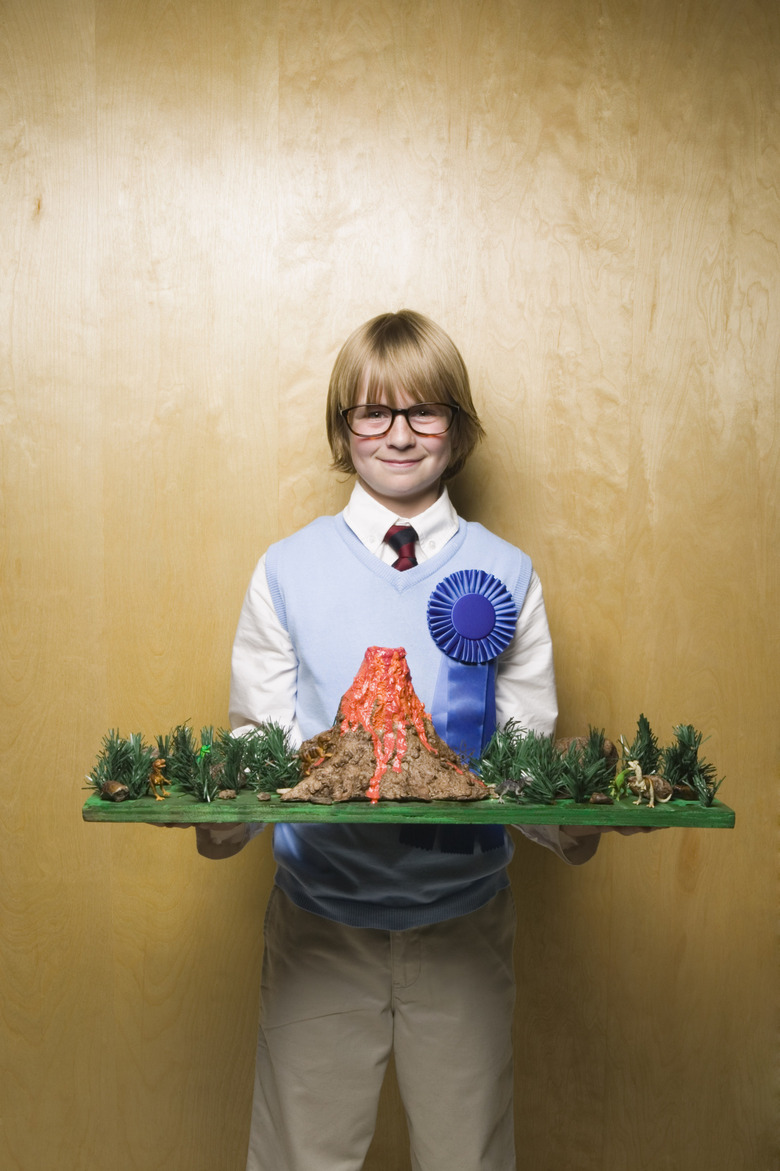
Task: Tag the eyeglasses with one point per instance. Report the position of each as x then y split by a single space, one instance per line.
372 420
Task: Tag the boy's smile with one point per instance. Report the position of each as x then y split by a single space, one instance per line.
402 470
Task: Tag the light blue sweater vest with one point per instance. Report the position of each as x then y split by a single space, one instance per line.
335 599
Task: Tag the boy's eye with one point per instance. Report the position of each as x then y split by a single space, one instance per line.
427 411
369 412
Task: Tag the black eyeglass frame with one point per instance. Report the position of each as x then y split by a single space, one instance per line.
347 411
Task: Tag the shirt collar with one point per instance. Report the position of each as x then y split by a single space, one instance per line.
370 520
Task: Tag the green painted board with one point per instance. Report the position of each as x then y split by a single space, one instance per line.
182 809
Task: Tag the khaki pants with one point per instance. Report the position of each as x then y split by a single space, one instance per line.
336 1000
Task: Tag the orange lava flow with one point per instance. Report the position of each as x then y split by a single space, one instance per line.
383 702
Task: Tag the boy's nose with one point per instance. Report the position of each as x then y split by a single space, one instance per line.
400 432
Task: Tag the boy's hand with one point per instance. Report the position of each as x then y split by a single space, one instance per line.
580 842
587 831
213 839
219 840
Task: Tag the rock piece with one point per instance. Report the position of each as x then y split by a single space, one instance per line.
114 791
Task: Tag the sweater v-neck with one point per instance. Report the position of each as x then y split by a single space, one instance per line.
408 578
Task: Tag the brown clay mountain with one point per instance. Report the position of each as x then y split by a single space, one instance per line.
382 745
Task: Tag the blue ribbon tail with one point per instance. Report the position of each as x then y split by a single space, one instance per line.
464 705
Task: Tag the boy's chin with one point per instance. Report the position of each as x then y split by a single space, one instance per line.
401 493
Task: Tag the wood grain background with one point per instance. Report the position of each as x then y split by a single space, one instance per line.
200 200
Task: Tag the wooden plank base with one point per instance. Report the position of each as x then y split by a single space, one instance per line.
181 809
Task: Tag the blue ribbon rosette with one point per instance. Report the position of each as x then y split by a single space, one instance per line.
472 618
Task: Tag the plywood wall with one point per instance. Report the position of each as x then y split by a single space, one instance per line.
199 201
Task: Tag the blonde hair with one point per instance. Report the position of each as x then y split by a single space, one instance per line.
397 352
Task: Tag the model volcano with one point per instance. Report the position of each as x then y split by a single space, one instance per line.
383 744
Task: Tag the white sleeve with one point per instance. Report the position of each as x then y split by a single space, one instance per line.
525 692
264 670
525 676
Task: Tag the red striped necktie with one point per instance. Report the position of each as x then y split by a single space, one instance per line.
401 539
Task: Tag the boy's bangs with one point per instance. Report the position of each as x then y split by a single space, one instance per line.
393 379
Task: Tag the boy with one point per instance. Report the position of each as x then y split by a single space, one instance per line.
377 941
